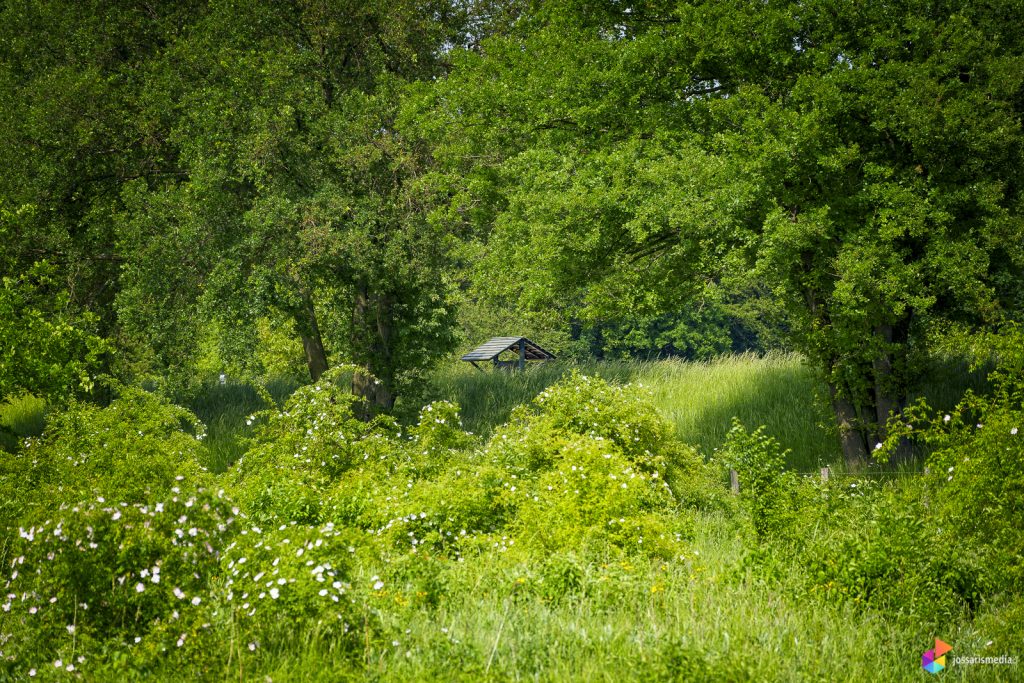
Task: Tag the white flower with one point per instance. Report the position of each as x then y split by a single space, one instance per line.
139 587
138 639
1013 431
58 664
116 516
274 593
377 586
252 647
878 445
178 593
946 418
196 600
71 628
323 592
32 673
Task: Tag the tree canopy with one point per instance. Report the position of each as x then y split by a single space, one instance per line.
862 162
845 179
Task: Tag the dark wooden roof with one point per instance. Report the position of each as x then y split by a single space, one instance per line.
498 345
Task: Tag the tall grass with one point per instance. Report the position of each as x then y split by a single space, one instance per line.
223 408
20 417
701 618
778 391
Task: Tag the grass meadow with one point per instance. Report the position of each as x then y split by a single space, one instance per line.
723 605
699 399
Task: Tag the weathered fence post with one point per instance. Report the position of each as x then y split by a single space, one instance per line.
825 473
734 481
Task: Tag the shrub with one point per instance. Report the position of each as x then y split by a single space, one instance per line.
595 497
765 487
291 574
299 450
106 573
137 447
976 466
881 546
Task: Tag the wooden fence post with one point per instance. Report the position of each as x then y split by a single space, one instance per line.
825 473
734 481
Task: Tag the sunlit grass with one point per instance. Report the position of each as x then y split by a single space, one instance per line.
20 417
778 391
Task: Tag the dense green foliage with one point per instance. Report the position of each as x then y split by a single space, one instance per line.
48 350
236 239
862 164
333 539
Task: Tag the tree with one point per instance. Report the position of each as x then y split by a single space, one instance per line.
75 129
300 194
48 349
864 162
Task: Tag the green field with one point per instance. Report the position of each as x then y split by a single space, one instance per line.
700 399
712 599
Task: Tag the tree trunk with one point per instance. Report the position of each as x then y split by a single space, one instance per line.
888 394
312 342
851 435
372 330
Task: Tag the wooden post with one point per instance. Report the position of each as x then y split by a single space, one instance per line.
522 355
734 481
825 472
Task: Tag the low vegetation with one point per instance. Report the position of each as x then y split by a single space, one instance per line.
336 548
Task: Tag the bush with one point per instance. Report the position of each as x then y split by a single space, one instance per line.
766 487
99 575
299 450
880 545
138 447
976 466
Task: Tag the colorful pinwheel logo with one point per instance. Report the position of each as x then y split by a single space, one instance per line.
934 661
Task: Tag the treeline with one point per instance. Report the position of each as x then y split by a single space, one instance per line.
641 178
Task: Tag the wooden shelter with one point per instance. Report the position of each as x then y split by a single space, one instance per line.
523 347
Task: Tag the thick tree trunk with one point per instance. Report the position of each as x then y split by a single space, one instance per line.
851 435
312 342
888 392
373 329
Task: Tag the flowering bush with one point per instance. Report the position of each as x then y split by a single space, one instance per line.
765 486
290 574
299 450
976 466
109 571
138 447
